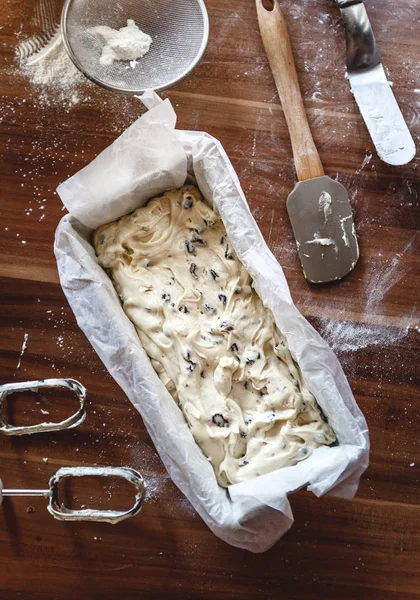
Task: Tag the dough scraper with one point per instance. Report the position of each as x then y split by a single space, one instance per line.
318 207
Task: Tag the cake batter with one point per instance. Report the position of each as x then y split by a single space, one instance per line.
211 340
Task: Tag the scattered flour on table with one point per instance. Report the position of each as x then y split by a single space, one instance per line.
154 486
22 352
387 274
346 336
53 72
365 162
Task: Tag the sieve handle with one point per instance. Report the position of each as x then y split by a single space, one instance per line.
280 56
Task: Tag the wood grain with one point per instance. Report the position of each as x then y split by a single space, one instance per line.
369 547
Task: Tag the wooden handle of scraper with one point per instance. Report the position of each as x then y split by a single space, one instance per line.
280 56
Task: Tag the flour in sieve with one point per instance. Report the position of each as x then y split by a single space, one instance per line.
127 43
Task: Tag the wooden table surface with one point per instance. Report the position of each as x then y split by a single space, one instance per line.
337 549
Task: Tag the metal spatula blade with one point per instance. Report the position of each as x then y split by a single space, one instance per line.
371 89
323 226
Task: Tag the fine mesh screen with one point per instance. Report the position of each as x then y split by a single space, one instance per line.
179 30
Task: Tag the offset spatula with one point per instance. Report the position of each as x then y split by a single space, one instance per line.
372 92
319 207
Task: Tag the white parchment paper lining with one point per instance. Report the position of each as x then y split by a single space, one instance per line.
150 157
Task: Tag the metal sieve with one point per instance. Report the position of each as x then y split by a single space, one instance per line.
179 30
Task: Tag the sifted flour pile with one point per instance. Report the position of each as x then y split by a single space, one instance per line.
127 43
52 70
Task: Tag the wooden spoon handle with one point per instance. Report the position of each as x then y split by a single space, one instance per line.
280 56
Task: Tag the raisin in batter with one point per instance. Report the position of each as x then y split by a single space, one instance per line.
213 343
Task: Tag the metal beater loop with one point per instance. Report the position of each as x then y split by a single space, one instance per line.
62 513
33 386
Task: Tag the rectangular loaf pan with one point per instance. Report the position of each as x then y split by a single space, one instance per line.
150 157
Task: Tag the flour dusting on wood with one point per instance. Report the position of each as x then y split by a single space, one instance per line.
22 352
53 73
346 336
